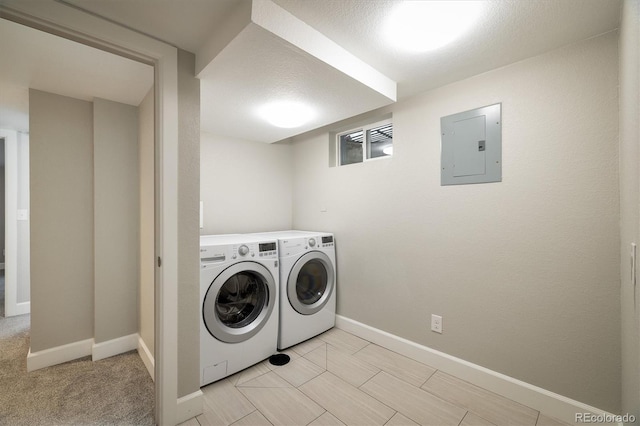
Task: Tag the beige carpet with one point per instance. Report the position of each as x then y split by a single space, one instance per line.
113 391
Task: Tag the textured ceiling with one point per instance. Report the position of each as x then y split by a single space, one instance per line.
508 31
254 61
34 59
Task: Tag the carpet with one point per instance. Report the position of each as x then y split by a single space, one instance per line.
112 391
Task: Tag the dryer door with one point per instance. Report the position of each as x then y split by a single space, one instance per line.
239 302
310 283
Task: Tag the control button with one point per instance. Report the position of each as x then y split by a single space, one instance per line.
312 242
234 256
243 250
253 254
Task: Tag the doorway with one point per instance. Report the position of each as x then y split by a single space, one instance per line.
56 18
55 173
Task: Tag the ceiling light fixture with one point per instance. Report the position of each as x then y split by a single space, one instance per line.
421 26
286 114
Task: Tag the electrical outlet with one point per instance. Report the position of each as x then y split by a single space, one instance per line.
436 323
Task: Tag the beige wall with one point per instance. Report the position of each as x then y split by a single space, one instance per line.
524 272
84 220
629 201
245 186
188 214
116 212
147 222
61 164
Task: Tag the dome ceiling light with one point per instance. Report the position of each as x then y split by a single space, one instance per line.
421 26
286 114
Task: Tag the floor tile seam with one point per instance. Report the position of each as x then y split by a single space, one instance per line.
253 378
364 392
494 408
211 408
325 411
324 370
430 393
487 391
477 415
268 387
383 403
248 414
392 373
537 419
469 409
428 378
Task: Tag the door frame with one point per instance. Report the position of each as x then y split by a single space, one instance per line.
12 307
68 22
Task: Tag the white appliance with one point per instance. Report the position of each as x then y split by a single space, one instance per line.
239 279
307 285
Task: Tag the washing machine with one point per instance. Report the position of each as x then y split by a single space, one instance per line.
307 285
239 280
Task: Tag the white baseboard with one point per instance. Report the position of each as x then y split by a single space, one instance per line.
189 406
114 347
75 350
147 358
550 403
58 355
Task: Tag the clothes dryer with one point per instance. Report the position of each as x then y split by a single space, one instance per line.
239 278
307 285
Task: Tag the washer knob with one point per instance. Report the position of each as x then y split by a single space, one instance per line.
312 242
243 250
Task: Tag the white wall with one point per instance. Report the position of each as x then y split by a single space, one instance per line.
245 186
629 201
524 272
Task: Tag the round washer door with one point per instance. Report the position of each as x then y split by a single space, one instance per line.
239 302
310 283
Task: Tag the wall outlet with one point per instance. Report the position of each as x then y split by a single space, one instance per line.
436 323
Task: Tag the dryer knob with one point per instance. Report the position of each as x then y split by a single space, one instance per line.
243 250
312 242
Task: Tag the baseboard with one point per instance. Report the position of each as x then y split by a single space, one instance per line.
58 355
114 347
189 406
75 350
147 358
18 309
550 403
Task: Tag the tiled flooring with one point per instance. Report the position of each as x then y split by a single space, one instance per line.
340 379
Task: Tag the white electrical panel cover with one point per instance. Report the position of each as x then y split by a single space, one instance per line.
472 146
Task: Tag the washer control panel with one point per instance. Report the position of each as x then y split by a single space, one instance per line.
214 255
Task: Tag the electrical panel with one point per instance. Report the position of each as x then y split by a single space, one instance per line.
472 146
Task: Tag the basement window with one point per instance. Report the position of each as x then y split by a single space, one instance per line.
365 143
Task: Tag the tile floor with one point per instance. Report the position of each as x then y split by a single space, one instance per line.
340 379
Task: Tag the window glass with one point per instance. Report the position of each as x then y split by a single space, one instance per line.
351 147
380 141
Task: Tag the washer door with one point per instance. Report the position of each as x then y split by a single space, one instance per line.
239 302
310 283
